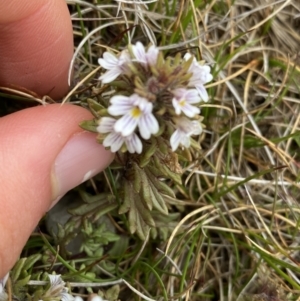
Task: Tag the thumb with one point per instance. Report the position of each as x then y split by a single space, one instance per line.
43 154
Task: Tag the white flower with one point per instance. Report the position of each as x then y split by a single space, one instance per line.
97 298
185 129
201 76
183 100
2 284
114 65
115 140
136 111
146 58
57 289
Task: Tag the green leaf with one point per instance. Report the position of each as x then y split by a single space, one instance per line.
17 270
94 106
89 125
148 153
161 186
138 175
128 195
113 293
139 215
30 261
158 200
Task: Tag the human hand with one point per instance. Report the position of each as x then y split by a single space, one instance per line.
43 152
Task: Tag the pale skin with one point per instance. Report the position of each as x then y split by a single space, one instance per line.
36 46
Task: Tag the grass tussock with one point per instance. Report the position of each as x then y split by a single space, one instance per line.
233 231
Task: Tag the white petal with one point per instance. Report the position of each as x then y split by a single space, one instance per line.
120 105
114 141
185 141
175 140
134 144
110 75
2 283
187 56
109 61
55 280
201 74
106 125
197 128
202 92
152 55
148 125
192 96
124 57
176 106
120 99
97 298
126 125
139 52
190 111
145 105
119 110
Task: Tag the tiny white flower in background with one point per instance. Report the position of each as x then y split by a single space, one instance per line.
58 289
183 100
114 65
146 58
115 140
2 284
185 129
136 111
97 298
201 76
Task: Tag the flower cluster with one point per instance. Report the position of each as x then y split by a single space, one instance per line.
158 97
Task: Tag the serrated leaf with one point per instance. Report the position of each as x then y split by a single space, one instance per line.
139 215
160 185
144 187
157 200
89 125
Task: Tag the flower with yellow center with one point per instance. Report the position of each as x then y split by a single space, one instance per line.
185 128
183 100
135 111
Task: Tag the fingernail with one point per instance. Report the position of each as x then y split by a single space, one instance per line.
80 159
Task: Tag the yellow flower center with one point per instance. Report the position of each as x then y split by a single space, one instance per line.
182 102
136 112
